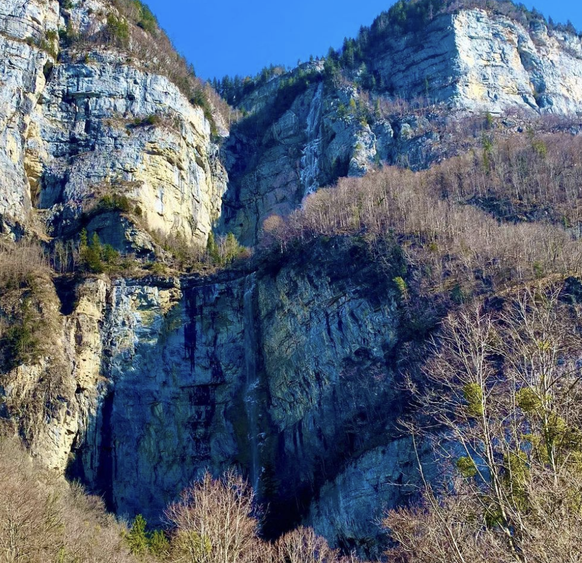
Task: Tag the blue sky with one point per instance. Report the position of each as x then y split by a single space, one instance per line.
241 37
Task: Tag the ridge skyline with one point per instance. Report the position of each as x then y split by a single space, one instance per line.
246 40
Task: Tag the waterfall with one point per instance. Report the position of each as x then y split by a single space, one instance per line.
251 350
312 150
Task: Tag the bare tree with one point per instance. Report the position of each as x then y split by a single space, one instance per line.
44 519
302 545
215 521
503 389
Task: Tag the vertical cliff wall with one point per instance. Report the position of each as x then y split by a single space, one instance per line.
288 373
83 120
23 68
478 60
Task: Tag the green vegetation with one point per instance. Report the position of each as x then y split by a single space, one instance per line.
114 202
220 252
236 88
142 542
21 340
289 88
23 281
118 31
145 18
356 54
402 287
225 250
412 17
97 258
111 202
292 87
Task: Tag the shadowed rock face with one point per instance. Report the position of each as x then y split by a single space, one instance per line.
287 373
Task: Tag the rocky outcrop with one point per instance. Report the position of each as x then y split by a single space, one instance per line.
330 334
95 124
285 373
310 135
348 509
108 128
480 61
27 32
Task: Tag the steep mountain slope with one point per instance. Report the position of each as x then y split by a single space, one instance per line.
316 123
290 365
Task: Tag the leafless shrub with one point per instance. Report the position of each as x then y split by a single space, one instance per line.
302 545
20 261
215 521
43 519
456 243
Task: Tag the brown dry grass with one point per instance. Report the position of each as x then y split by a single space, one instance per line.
43 519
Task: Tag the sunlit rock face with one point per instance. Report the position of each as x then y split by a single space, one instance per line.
23 69
110 128
479 61
93 123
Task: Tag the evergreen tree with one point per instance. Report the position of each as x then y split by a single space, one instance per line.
137 538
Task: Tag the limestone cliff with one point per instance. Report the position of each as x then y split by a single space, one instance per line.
285 373
22 80
83 120
476 60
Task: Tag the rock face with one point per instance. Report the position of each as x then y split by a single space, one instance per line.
176 360
23 26
330 335
349 508
477 61
108 128
93 125
287 373
291 147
